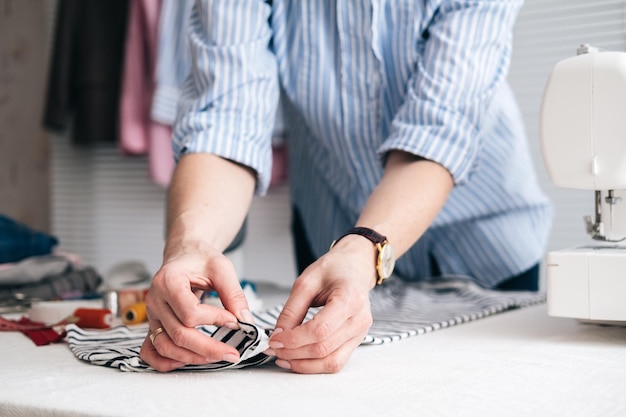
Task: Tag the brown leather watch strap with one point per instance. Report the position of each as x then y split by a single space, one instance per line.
366 232
385 260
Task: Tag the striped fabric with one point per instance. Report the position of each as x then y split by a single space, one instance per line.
399 309
119 347
361 78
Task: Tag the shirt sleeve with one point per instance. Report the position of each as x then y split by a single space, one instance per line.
466 55
229 100
173 59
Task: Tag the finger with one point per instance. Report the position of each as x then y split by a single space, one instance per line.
187 308
202 314
165 347
231 294
182 341
297 305
189 345
323 348
338 310
328 365
149 354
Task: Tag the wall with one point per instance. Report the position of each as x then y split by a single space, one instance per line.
24 152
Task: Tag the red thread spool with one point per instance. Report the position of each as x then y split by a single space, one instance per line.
94 318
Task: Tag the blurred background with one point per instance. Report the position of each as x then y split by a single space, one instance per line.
104 199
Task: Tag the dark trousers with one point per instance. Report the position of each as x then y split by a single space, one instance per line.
526 281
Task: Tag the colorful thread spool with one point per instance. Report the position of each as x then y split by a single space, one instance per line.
93 318
135 313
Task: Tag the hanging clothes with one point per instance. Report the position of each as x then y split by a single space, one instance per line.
139 132
85 71
138 76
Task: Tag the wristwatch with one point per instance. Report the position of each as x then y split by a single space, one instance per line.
386 259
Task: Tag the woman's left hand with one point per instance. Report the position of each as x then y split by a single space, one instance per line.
339 281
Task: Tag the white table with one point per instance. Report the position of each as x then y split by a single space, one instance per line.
518 363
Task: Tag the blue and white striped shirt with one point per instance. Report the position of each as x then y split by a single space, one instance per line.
361 78
173 59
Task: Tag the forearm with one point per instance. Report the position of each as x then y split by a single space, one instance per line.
208 200
407 199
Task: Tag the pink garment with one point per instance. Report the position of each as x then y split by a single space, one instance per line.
139 134
162 161
279 165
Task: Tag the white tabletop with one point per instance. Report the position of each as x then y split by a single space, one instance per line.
518 363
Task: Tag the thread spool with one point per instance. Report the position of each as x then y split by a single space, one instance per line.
110 301
135 313
93 318
127 297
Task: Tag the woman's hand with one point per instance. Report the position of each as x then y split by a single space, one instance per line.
401 207
340 281
173 304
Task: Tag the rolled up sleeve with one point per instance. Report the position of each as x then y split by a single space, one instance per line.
466 55
229 100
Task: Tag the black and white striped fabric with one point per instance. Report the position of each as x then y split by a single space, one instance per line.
119 347
399 310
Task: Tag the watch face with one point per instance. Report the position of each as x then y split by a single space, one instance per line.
387 261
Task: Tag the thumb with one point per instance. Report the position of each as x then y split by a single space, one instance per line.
233 298
297 305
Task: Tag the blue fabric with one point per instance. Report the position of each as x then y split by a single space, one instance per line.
18 241
362 78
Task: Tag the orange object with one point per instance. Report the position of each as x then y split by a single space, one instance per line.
94 318
130 296
135 313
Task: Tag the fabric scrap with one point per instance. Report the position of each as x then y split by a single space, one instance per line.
76 278
18 241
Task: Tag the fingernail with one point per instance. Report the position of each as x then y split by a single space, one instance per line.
230 357
232 325
276 345
176 364
269 352
283 364
247 316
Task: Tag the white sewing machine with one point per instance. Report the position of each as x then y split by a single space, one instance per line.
583 139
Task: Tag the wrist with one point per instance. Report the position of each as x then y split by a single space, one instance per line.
366 254
384 257
175 248
193 231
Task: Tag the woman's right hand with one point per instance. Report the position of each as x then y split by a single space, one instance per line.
173 304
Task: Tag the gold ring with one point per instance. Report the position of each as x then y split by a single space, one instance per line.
155 333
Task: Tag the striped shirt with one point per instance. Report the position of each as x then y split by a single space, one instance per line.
358 79
173 59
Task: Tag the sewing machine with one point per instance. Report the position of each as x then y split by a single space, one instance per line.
583 140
